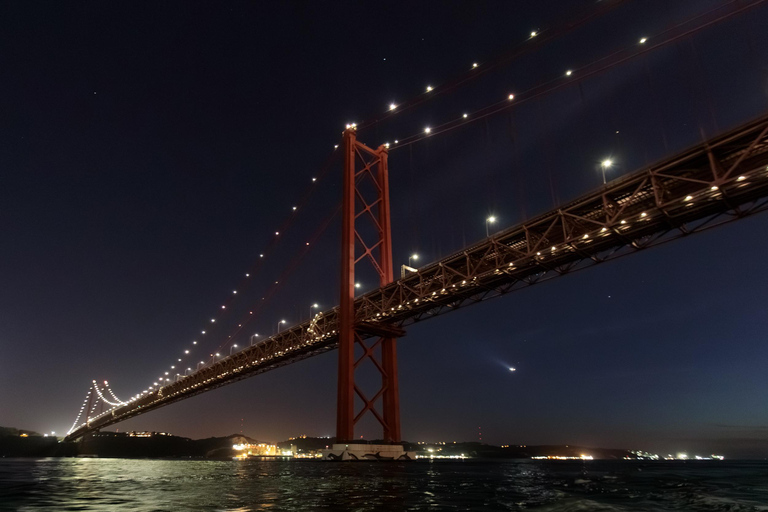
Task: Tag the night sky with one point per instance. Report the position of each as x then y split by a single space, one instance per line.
150 151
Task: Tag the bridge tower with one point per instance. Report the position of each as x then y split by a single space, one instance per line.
366 237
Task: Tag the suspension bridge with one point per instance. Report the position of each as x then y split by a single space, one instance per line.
719 180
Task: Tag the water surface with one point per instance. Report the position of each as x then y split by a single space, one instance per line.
179 485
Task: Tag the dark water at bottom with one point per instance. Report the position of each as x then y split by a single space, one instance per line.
178 485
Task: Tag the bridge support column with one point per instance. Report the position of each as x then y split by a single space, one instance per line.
391 399
365 201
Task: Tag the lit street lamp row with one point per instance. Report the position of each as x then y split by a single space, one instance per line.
605 164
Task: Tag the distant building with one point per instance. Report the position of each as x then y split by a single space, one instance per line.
261 450
148 434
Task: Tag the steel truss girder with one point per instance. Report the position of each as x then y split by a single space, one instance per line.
677 197
736 163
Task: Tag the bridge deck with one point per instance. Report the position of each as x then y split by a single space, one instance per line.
722 179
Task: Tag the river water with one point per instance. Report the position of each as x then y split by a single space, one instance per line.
181 485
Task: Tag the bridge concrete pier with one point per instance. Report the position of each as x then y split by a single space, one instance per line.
356 451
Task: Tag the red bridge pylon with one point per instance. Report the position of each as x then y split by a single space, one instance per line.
365 226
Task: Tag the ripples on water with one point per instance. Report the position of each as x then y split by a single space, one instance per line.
180 485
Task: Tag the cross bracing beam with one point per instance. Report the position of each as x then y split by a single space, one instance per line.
715 182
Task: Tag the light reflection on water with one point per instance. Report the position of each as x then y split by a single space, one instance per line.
243 486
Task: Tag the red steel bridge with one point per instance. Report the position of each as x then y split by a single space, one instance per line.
720 180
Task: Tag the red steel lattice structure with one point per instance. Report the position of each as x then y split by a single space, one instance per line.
365 201
720 180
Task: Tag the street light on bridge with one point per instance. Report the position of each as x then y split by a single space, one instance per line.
489 220
233 347
310 309
408 267
253 338
605 164
278 325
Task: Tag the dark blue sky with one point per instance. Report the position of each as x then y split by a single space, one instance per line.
148 153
